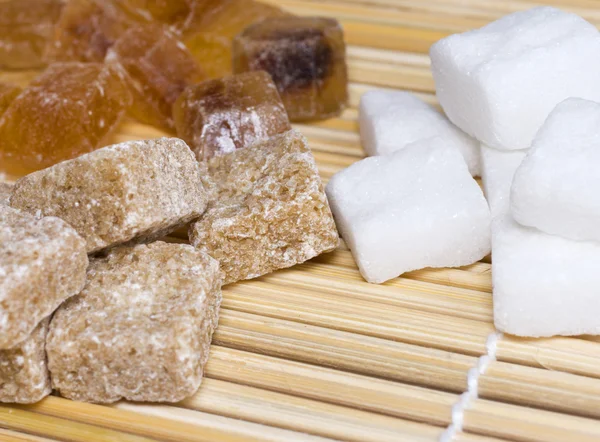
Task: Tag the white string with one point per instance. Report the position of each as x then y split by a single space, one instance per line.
463 403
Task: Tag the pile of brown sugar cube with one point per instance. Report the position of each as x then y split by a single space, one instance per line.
93 304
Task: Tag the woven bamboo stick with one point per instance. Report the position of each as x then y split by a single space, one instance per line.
344 351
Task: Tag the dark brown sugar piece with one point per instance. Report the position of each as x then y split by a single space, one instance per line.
269 212
26 30
8 93
42 263
87 29
24 376
5 191
159 68
306 56
68 111
140 329
217 117
217 23
137 190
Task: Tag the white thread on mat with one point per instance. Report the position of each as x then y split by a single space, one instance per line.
463 403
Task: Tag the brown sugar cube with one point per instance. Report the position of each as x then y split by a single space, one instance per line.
306 57
270 210
175 13
138 190
68 111
26 29
24 376
141 328
160 67
5 191
219 116
42 263
217 24
8 93
87 29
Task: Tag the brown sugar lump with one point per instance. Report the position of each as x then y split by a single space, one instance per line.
68 111
219 116
175 13
140 329
137 190
26 29
216 24
24 376
159 67
270 210
8 92
87 29
42 263
306 56
5 191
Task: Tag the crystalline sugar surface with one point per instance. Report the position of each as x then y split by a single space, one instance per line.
556 187
500 82
416 208
391 120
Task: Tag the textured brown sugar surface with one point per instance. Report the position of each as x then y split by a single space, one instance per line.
24 376
219 116
42 263
8 93
210 38
176 13
137 190
5 191
270 210
26 29
68 111
159 67
307 59
141 328
87 29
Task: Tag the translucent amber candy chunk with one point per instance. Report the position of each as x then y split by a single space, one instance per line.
67 111
219 116
26 27
218 23
87 29
306 58
8 92
160 67
176 13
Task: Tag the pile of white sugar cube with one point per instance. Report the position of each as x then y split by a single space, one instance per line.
521 98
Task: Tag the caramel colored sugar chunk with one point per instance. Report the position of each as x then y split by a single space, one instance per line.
5 191
138 190
8 93
218 24
42 263
68 111
24 376
141 328
160 67
176 13
306 58
270 210
26 29
219 116
87 29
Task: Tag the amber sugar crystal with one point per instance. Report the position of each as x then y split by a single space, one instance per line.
210 38
8 92
176 13
306 57
269 210
26 28
159 68
219 116
87 29
67 111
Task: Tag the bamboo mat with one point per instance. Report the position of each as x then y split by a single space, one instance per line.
316 353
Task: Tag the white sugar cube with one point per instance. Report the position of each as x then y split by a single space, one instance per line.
544 285
556 187
391 120
416 208
500 82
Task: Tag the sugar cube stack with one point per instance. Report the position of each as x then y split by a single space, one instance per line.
416 208
556 187
500 82
391 120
